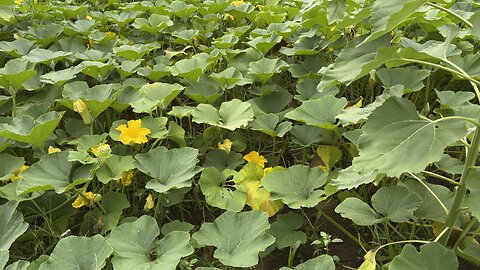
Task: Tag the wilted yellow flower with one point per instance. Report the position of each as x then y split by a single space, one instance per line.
88 18
52 150
87 198
15 175
102 149
255 157
126 179
133 133
228 16
238 3
80 107
149 204
226 145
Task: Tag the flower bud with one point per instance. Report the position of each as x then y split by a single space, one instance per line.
80 107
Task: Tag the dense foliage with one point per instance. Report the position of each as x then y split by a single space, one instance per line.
226 134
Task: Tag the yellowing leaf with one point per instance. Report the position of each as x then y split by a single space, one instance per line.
329 155
226 145
133 133
369 263
259 199
255 157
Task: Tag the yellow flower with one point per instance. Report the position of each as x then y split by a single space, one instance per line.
102 149
149 204
134 133
80 107
126 179
225 146
15 175
238 3
260 7
228 16
18 2
86 198
255 157
88 18
52 150
110 34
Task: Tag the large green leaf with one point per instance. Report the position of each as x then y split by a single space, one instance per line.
322 262
319 112
349 178
30 130
432 256
387 14
231 115
53 172
191 69
11 225
396 203
113 203
238 237
395 130
136 246
355 61
298 186
358 211
410 78
152 95
79 252
265 68
170 169
213 185
16 72
10 165
113 167
284 229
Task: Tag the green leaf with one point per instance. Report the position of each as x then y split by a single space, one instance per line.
231 115
62 76
358 211
265 68
113 203
16 72
154 24
319 112
141 251
395 130
432 256
269 125
171 169
52 172
16 48
264 43
10 165
29 130
284 229
206 90
79 252
238 237
387 14
11 225
323 262
230 78
39 55
113 167
153 95
191 69
410 78
349 178
307 135
355 61
296 186
396 203
3 258
176 226
212 183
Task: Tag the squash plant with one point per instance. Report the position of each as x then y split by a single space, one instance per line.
165 134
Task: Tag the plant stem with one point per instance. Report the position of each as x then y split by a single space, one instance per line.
461 189
342 229
460 18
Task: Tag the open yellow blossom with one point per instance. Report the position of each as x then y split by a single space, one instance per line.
228 16
16 176
226 145
255 157
238 3
102 149
52 150
133 133
149 204
86 198
126 179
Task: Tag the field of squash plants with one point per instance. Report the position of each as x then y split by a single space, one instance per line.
249 134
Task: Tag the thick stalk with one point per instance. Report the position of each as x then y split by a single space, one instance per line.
461 189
